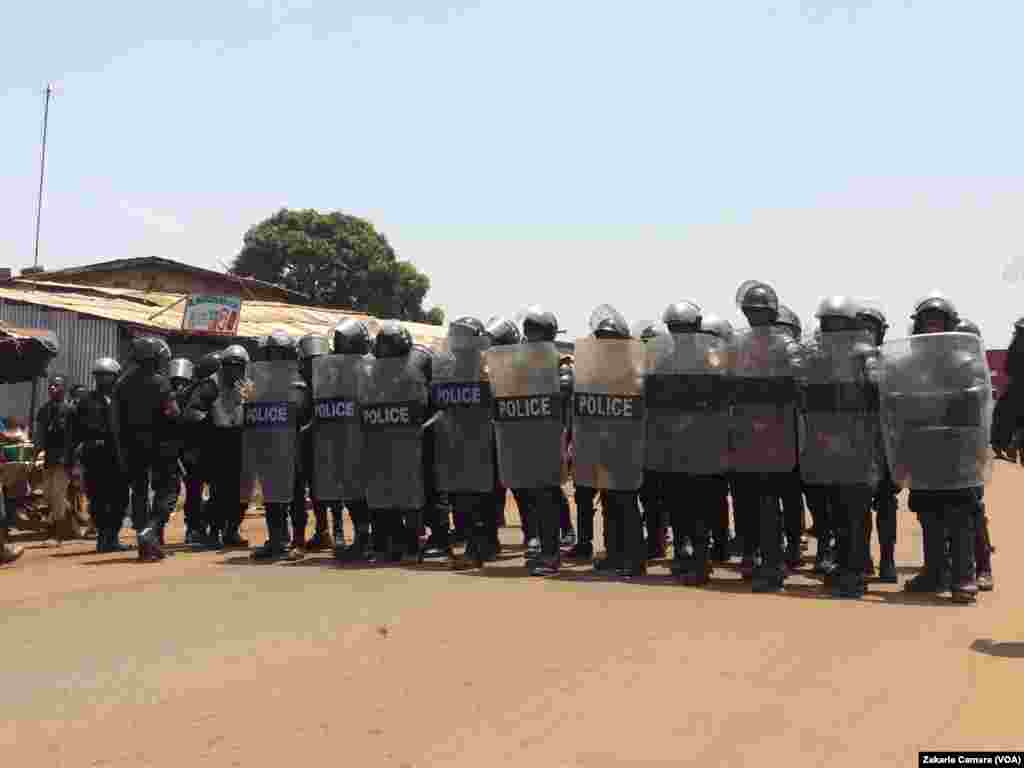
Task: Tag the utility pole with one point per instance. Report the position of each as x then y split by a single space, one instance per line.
42 169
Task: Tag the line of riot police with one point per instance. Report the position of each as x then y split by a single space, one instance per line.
664 425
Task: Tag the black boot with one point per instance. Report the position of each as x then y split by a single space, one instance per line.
275 547
149 545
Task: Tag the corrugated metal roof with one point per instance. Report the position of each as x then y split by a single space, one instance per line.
119 265
138 308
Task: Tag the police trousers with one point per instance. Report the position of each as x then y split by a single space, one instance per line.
850 507
148 467
748 497
227 507
954 512
885 505
544 513
105 486
624 528
696 510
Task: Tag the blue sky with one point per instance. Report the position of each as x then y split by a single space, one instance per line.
521 153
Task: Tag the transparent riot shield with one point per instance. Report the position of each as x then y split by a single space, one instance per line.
464 435
841 413
270 436
936 392
687 404
609 414
528 421
393 399
762 370
338 434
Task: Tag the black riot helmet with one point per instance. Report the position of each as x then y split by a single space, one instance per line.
351 337
278 346
789 319
235 355
393 340
106 366
149 351
838 313
968 326
234 360
758 302
313 345
539 325
466 326
208 365
607 323
105 372
935 311
502 331
181 368
682 317
873 319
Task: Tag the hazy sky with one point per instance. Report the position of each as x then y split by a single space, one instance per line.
562 153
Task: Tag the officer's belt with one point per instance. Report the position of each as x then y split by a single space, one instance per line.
840 397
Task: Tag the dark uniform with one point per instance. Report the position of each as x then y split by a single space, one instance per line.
311 347
105 485
197 457
939 452
884 502
144 405
220 397
763 443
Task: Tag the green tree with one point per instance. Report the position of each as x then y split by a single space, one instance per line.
337 260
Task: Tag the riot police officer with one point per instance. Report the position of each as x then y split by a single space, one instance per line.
270 450
884 502
763 445
221 396
792 499
342 476
143 404
718 499
841 452
464 435
687 434
608 434
197 457
310 347
940 453
503 332
394 410
180 371
105 485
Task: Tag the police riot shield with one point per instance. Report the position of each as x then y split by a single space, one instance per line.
687 404
393 400
841 413
936 393
609 417
270 435
762 384
528 420
464 435
338 434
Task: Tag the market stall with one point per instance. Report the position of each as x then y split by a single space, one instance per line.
25 354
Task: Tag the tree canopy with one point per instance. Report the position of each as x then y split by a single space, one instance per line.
337 260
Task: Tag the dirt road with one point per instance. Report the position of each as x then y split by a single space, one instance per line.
205 659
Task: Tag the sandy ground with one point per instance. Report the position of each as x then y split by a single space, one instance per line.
206 659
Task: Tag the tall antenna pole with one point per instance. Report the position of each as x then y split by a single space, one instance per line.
42 170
